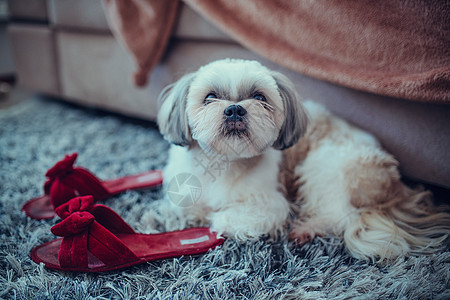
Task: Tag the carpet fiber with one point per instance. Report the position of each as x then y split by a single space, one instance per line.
36 133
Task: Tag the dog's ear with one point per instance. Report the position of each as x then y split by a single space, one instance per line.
295 120
172 116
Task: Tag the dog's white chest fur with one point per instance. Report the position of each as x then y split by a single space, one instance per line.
238 197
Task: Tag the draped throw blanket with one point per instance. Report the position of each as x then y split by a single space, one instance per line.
144 26
394 48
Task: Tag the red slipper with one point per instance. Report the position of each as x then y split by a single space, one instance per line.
96 239
65 182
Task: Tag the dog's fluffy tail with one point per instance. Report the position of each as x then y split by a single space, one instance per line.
410 226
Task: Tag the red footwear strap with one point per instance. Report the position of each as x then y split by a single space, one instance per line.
82 234
66 182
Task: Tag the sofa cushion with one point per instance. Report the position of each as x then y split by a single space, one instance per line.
190 25
80 14
35 10
94 71
35 57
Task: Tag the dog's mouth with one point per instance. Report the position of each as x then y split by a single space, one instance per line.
238 125
236 128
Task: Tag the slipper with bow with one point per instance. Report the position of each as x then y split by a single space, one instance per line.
96 239
66 181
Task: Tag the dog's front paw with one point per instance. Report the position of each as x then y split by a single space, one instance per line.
302 236
240 226
233 226
304 233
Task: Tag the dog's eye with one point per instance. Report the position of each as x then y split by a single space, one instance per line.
259 97
211 96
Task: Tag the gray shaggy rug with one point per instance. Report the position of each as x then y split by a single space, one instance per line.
38 132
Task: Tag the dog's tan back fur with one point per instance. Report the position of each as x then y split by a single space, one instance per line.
379 217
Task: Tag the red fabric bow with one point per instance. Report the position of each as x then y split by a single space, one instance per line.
54 186
76 223
74 228
82 233
62 167
76 216
79 204
66 182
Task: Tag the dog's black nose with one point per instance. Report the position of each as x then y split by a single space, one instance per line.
235 112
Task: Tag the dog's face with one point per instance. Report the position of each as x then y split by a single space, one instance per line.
235 108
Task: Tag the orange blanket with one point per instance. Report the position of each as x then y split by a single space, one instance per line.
395 48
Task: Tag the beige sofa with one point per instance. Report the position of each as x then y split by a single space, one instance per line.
65 48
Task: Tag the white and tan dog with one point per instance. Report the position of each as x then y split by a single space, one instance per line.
230 120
